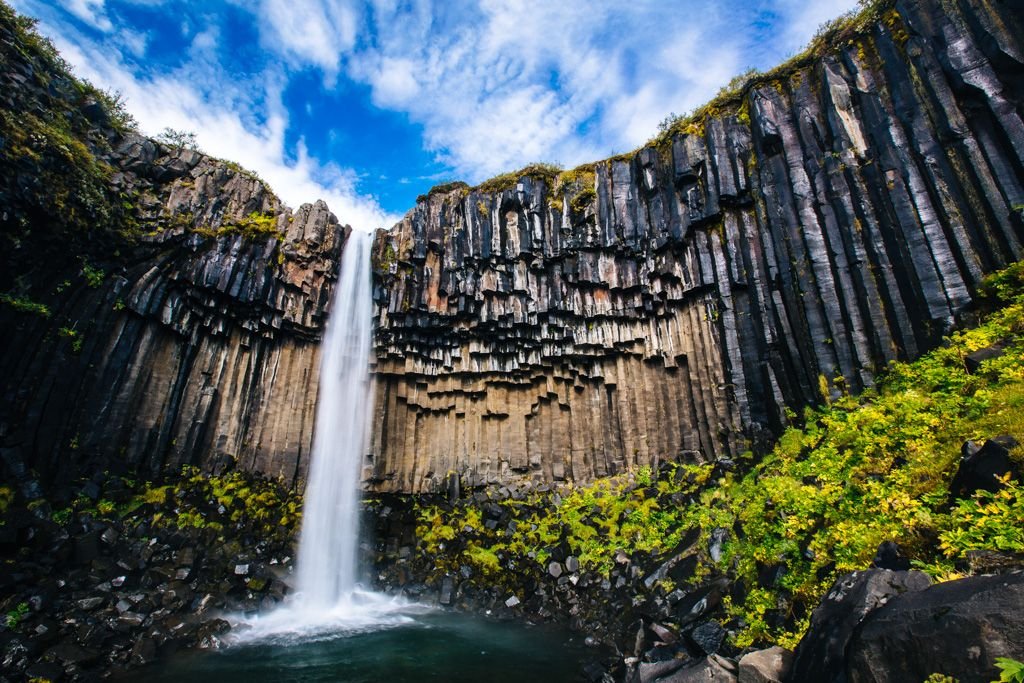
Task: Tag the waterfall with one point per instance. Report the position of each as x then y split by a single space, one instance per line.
328 603
329 541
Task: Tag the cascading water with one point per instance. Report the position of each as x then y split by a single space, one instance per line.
328 602
330 525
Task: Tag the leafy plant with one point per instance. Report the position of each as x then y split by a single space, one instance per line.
15 616
180 139
1011 671
25 305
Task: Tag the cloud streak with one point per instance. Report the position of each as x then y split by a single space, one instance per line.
489 85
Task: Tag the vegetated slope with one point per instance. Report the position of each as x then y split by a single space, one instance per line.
860 471
160 307
672 303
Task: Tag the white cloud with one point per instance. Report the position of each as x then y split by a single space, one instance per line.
92 12
316 32
224 131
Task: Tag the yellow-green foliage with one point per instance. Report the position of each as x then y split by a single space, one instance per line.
860 471
25 305
578 185
1010 670
192 500
6 498
50 158
539 171
445 188
254 226
596 520
246 499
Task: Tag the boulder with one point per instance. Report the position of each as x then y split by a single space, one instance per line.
708 637
982 469
957 628
771 665
889 556
821 655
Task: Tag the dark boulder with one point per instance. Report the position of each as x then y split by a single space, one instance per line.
957 628
889 556
973 361
983 468
821 655
708 637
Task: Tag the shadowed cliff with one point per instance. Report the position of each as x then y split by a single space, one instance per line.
160 307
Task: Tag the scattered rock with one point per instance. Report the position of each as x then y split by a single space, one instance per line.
973 360
708 637
771 665
889 556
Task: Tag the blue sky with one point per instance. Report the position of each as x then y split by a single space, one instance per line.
368 104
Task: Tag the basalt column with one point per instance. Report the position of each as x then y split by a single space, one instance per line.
675 302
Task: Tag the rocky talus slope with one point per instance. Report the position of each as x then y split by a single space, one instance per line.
170 317
675 302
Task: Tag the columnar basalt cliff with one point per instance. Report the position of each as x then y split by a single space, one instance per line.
675 302
171 317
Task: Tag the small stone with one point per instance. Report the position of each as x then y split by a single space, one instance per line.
664 634
110 536
447 588
89 604
708 637
512 601
117 582
555 569
241 569
572 565
765 666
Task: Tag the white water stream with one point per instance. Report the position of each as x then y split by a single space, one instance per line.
330 514
328 602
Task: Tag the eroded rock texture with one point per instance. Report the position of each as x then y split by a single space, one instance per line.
675 303
193 345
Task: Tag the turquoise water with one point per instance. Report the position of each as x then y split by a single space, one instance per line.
437 646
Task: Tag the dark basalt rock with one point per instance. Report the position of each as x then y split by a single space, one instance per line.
821 655
957 628
889 556
673 303
982 468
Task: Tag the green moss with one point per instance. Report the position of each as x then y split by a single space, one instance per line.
255 226
445 188
544 171
852 28
25 305
51 153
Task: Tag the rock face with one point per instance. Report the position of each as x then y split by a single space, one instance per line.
188 335
957 628
821 655
675 302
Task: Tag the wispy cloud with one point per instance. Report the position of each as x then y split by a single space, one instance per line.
243 121
487 85
500 83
